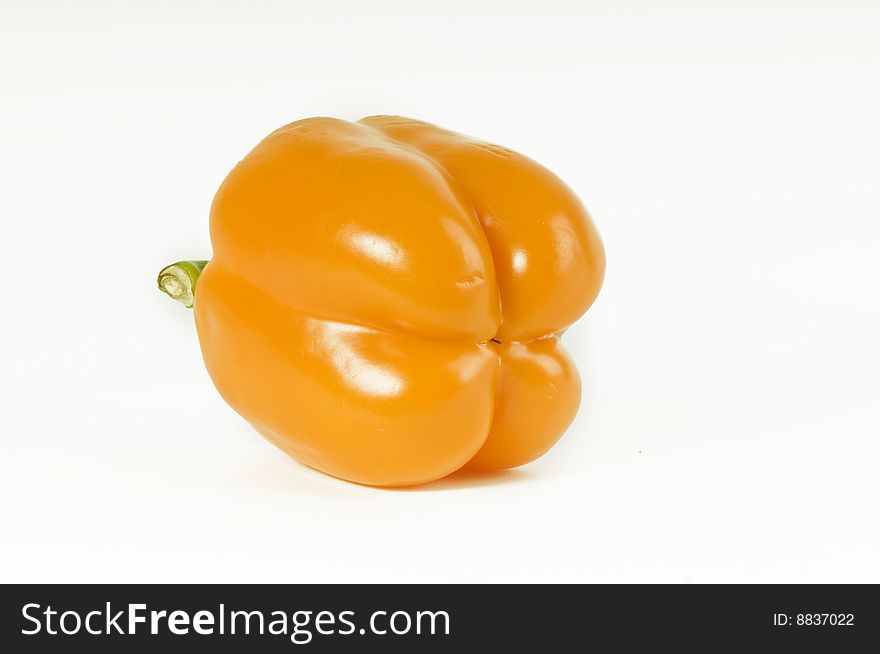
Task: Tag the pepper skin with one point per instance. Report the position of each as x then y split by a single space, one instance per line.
386 299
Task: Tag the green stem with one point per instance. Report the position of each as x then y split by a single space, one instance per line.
179 280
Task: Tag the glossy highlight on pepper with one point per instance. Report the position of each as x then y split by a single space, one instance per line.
386 298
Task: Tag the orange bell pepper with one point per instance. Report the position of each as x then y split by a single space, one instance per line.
386 298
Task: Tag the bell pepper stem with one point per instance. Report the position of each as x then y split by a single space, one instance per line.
179 279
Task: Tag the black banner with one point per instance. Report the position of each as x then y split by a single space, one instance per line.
407 618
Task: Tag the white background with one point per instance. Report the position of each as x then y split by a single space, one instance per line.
729 155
